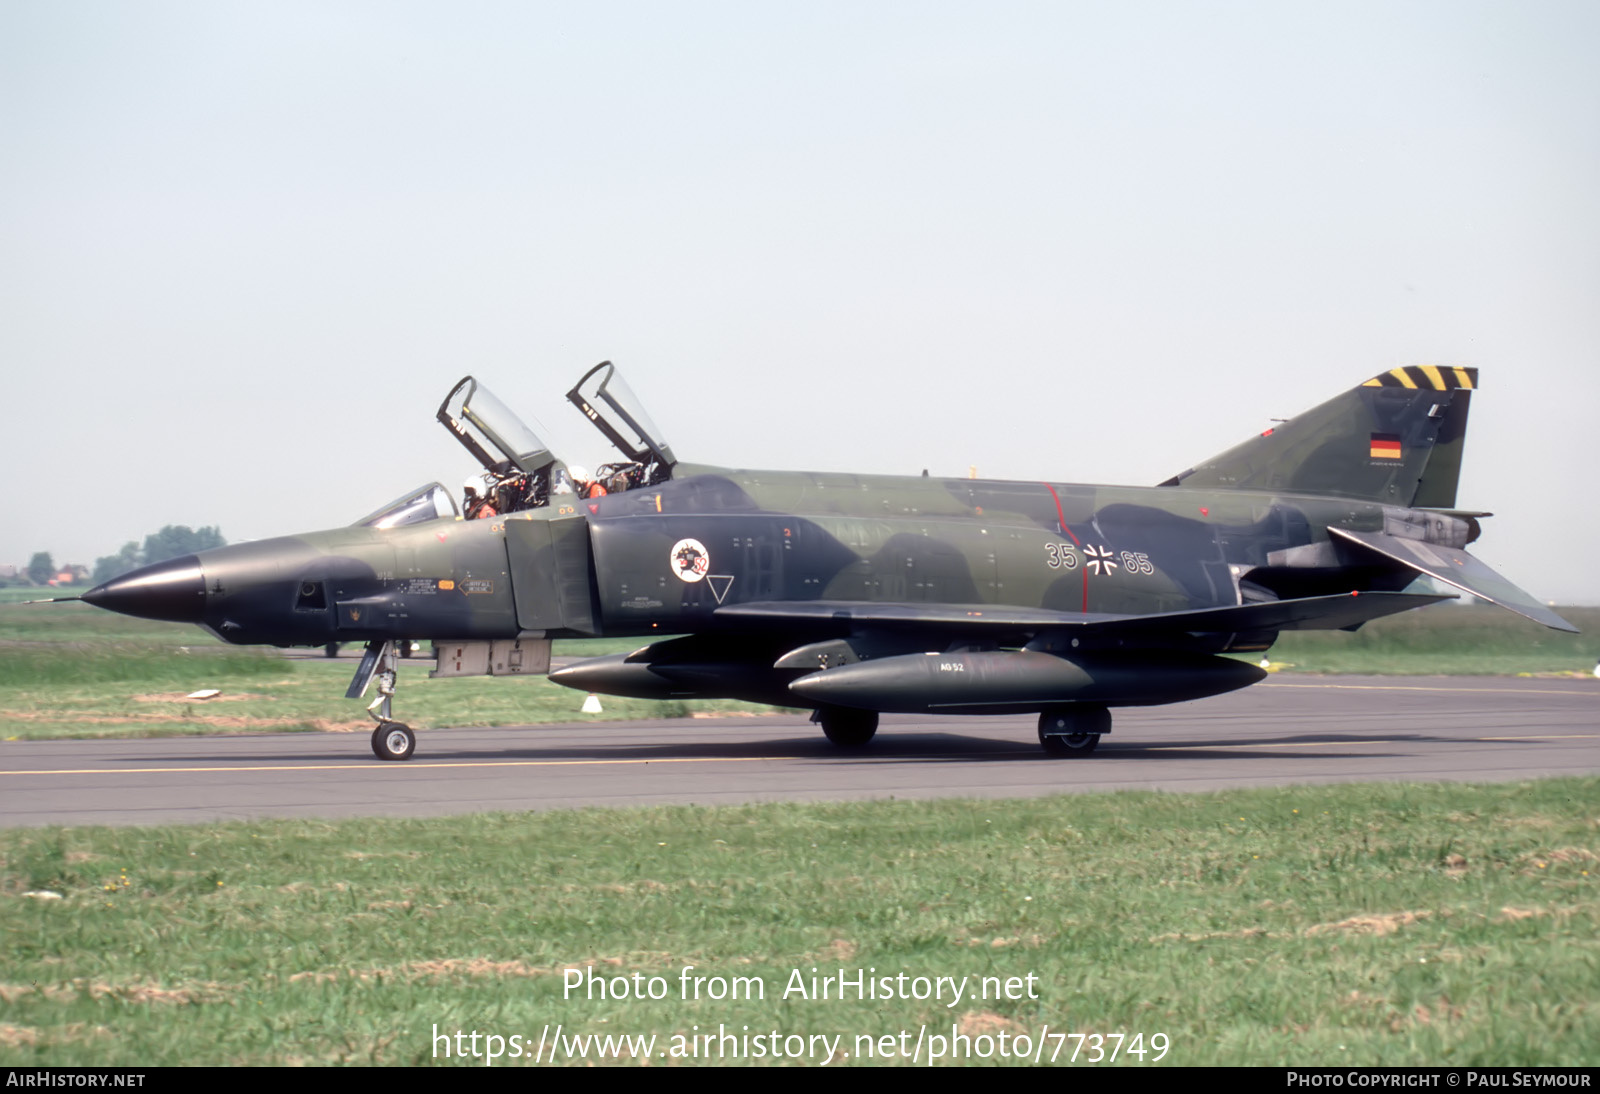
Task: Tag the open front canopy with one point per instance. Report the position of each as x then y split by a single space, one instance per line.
495 436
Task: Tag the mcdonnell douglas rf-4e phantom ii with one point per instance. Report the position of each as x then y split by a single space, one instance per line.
855 595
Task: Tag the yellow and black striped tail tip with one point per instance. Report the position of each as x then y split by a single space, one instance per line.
1427 378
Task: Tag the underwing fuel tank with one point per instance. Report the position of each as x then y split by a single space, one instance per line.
616 675
1021 681
613 675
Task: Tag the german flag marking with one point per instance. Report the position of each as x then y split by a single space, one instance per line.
1385 446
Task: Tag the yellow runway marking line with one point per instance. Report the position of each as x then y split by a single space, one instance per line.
378 765
1379 741
1285 744
1453 691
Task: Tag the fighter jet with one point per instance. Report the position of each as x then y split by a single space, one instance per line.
858 595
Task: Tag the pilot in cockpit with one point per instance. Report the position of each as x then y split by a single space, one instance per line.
476 502
583 485
521 473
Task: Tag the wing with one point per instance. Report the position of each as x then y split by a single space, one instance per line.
1305 613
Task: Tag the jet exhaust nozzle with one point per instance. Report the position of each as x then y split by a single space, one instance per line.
174 590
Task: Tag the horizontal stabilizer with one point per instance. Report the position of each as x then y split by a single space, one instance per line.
1454 566
1305 613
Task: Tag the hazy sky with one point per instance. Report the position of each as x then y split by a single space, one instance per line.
245 249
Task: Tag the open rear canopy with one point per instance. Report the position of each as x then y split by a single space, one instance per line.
607 402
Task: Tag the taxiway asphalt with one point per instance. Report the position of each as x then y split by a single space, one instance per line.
1286 730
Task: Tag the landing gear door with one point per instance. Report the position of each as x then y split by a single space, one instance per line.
550 574
496 437
607 402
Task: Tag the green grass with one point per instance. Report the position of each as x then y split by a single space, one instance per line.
1448 640
1391 924
298 697
68 670
11 594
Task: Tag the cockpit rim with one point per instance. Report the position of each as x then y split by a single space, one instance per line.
409 509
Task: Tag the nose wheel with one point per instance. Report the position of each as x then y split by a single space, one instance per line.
393 741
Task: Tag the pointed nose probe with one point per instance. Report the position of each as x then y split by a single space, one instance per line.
173 590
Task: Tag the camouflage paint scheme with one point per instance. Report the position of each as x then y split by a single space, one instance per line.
868 593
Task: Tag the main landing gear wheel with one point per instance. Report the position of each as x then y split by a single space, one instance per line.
1073 731
393 741
846 727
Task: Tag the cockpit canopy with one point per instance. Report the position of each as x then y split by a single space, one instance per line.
494 435
522 473
431 502
607 402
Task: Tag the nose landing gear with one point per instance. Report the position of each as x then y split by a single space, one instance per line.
392 740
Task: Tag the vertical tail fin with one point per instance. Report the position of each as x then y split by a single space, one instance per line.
1397 439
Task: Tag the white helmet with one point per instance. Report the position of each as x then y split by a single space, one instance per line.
474 484
576 473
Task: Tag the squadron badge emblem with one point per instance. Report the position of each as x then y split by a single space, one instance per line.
689 560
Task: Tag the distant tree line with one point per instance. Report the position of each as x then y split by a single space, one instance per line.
41 568
171 542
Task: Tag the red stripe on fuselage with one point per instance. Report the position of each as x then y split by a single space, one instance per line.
1061 518
1061 522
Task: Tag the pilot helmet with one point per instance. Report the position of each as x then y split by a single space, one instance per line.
473 485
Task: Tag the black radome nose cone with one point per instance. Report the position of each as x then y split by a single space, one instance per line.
174 590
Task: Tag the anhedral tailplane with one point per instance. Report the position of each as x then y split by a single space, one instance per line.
1454 566
1395 439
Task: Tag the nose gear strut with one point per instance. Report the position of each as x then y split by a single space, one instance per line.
392 740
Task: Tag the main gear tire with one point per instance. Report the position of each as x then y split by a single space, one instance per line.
848 728
393 741
1073 731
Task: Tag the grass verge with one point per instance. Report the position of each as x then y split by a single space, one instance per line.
68 670
1344 925
1447 640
